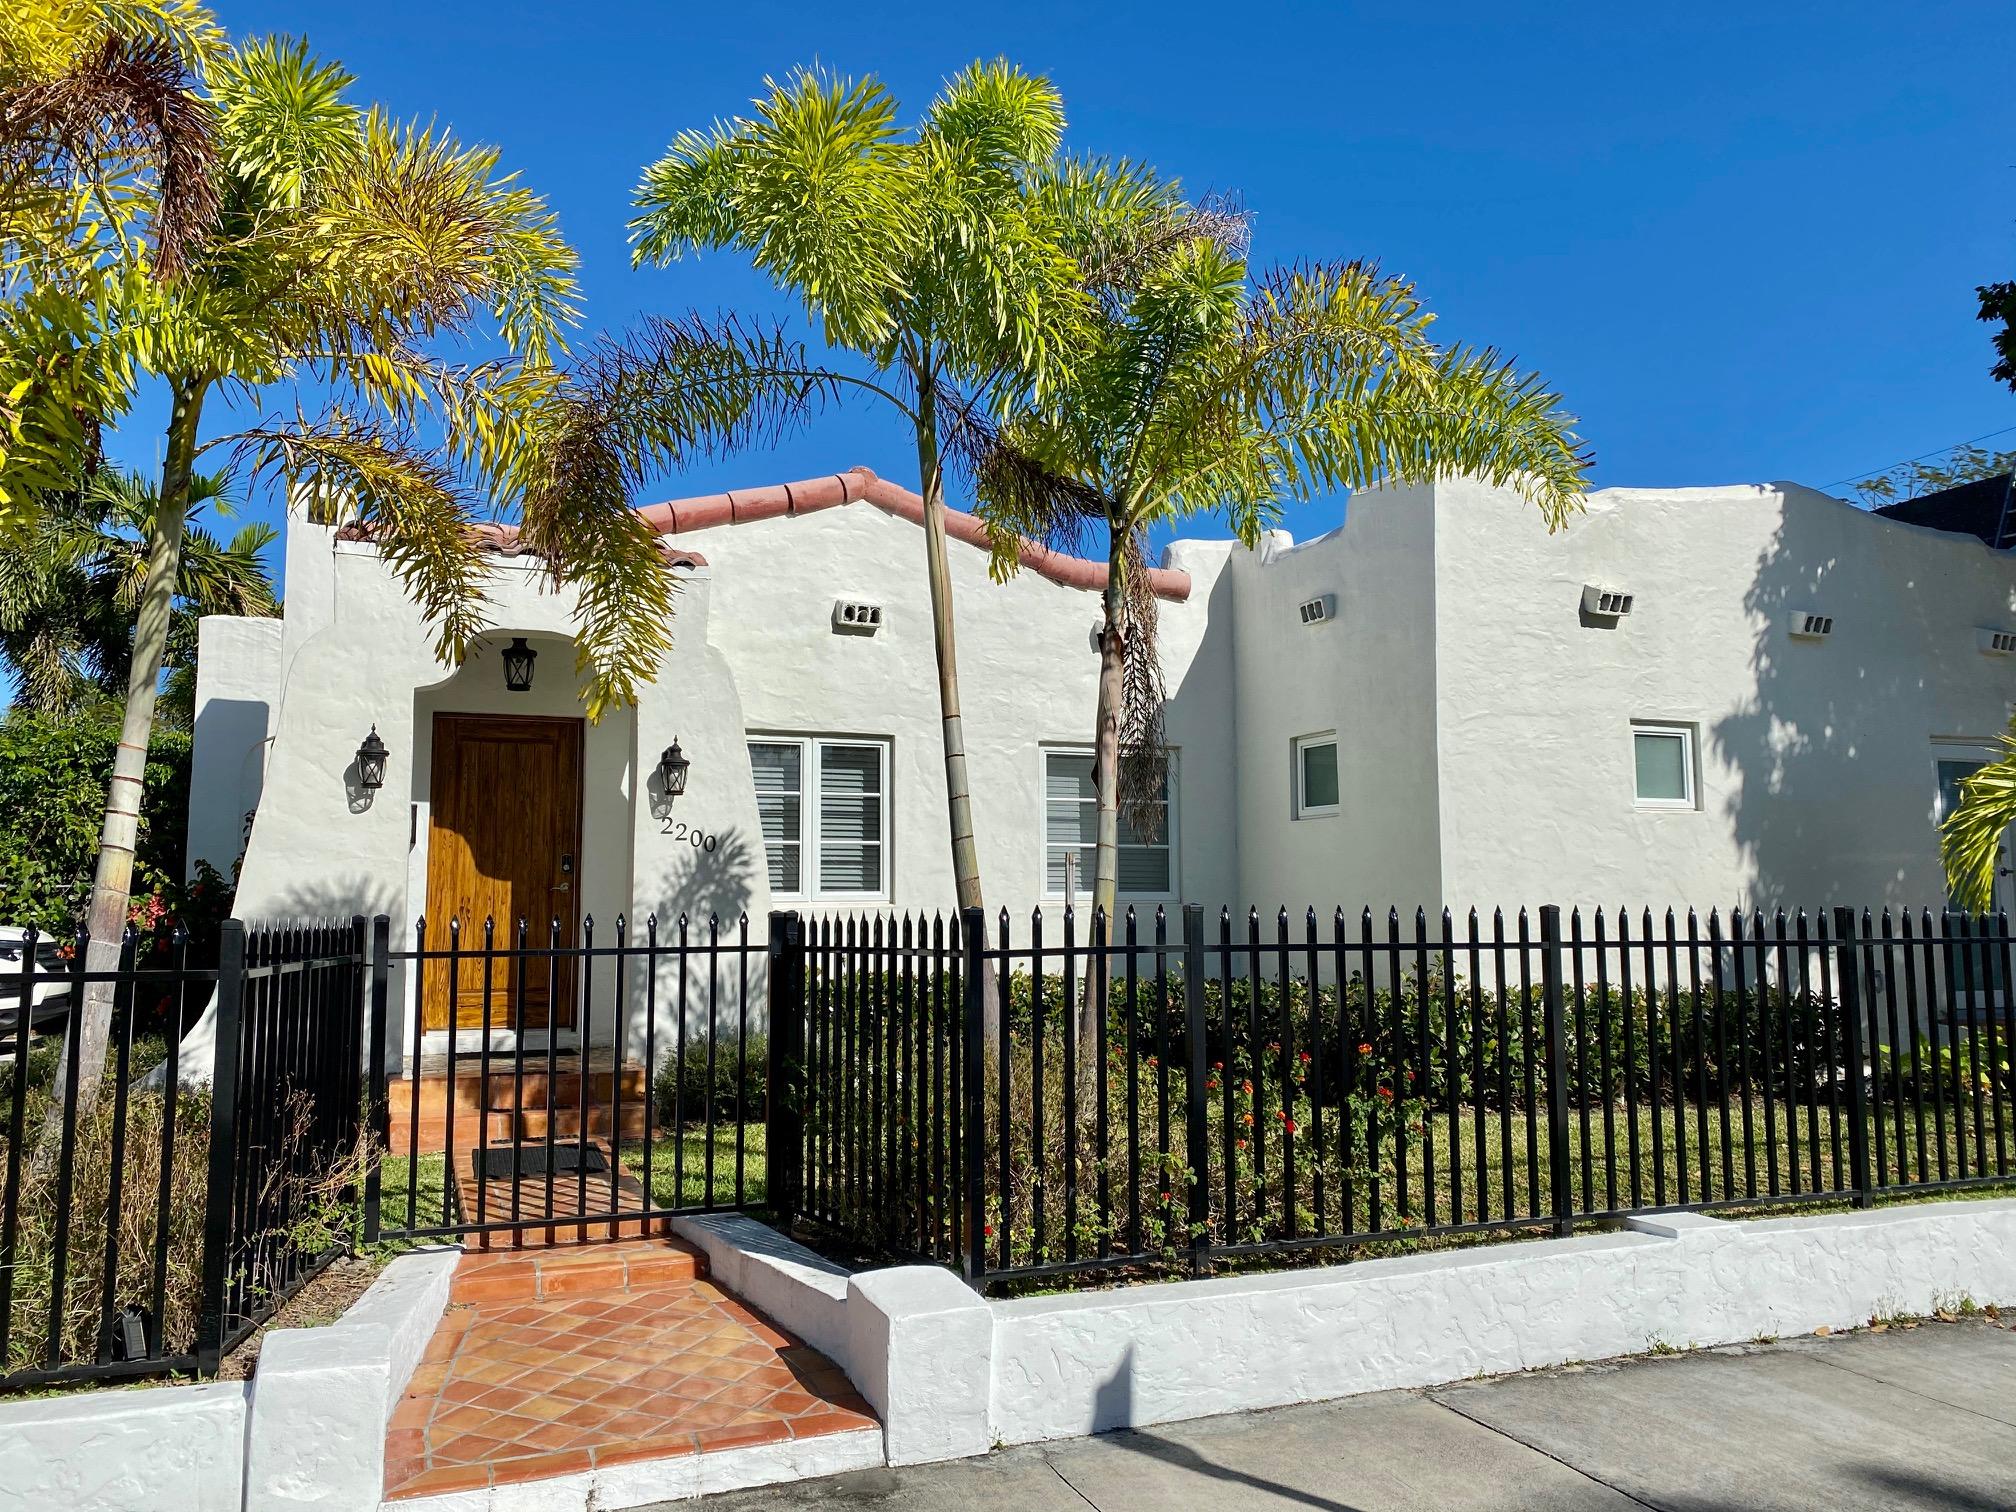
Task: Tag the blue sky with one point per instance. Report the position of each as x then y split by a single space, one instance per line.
1741 240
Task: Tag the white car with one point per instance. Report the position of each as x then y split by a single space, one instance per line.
48 980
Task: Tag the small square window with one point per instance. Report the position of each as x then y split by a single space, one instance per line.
1315 776
1663 765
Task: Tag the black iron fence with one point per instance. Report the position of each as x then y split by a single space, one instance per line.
148 1227
1181 1091
1035 1106
881 1071
557 1088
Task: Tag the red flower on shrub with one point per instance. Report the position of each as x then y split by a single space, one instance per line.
1246 1087
1306 1057
1386 1092
1217 1065
1247 1119
1365 1049
1210 1084
1288 1124
988 1230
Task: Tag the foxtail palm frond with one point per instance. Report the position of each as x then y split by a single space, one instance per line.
807 186
1974 839
668 390
409 502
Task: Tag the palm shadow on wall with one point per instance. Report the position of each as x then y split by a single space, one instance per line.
724 988
1808 804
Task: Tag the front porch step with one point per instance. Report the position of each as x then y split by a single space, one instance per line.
502 1127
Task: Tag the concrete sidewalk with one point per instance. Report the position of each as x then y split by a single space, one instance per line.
1907 1418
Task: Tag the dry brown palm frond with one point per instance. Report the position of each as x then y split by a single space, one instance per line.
1144 755
128 99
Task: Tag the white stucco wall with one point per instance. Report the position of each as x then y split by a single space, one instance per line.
1816 759
1368 675
1089 1362
1027 682
1483 725
237 684
357 654
126 1451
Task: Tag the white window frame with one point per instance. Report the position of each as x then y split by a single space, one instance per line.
1088 859
809 838
1304 809
1690 765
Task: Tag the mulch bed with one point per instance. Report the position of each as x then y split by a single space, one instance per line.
321 1302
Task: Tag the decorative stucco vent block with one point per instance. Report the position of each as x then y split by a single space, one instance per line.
1605 603
1318 610
1807 625
850 618
1996 642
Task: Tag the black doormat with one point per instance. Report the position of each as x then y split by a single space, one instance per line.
494 1164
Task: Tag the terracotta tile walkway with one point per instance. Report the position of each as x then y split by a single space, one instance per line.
553 1362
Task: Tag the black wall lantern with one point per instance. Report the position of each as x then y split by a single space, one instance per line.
518 660
371 762
672 770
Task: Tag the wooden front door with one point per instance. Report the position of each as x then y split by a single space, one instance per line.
503 838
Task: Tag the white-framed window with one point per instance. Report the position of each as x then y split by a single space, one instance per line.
1316 775
824 807
1071 825
1662 765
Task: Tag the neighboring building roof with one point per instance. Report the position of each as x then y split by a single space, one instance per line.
744 505
1981 509
740 507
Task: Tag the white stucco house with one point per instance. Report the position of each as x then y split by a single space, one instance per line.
1753 694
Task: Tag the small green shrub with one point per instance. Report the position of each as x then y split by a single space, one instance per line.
739 1076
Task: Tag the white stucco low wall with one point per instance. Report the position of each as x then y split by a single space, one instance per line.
1071 1365
140 1450
322 1396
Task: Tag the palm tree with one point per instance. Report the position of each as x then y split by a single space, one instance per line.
1204 387
207 217
71 588
1975 834
925 256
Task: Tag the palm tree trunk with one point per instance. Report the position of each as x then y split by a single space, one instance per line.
1106 758
958 793
112 886
1106 727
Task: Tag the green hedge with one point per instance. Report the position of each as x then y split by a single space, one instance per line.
53 773
739 1083
1614 1042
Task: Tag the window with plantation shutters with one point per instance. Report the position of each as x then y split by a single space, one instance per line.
850 818
824 809
779 767
1071 826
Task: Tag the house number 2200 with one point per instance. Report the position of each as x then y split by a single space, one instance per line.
700 840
